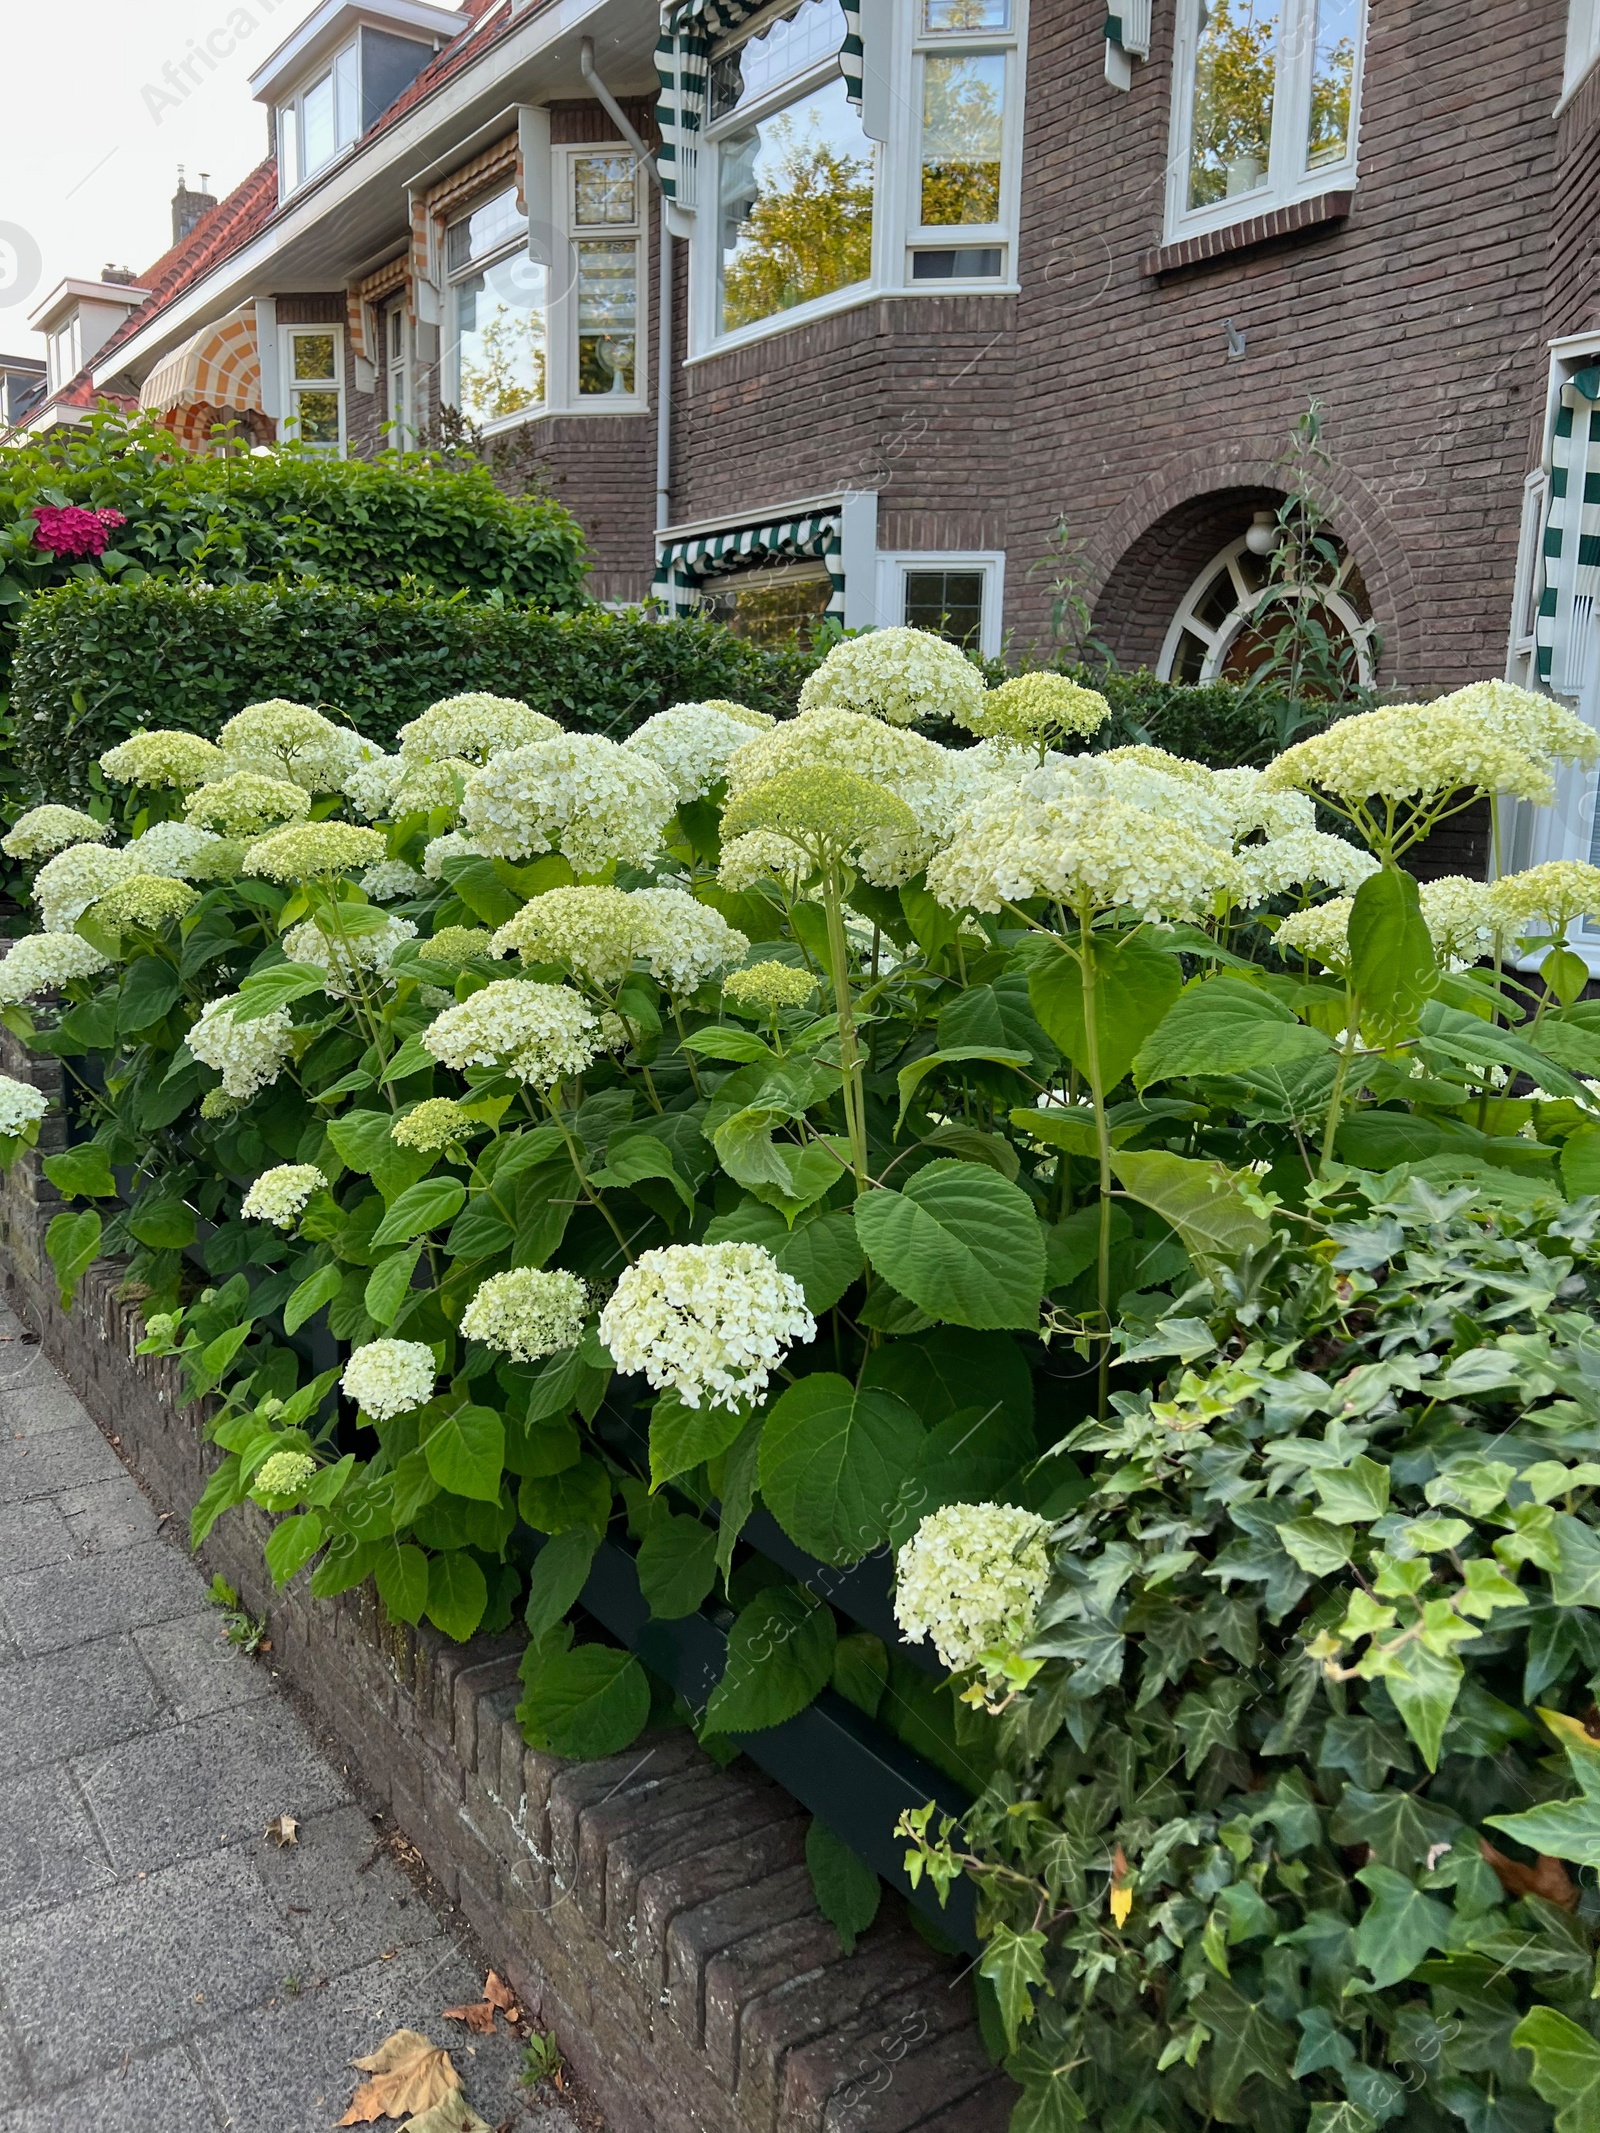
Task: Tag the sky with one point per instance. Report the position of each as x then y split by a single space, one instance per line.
99 112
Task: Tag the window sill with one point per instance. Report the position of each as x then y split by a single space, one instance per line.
1319 212
856 298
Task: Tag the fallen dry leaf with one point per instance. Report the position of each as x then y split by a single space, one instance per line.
283 1829
499 1994
410 2074
452 2115
1121 1894
479 2017
1548 1878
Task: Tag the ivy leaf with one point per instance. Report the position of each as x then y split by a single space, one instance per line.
1423 1687
311 1295
780 1655
1576 1580
683 1437
847 1890
1014 1964
677 1566
584 1703
426 1205
1199 1200
1246 2041
73 1243
1399 1927
1400 1828
560 1572
466 1453
961 1242
1135 984
1225 1025
1566 2067
833 1462
1354 1494
458 1594
291 1545
1320 1549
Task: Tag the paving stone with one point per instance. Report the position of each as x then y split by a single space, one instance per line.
35 1400
33 1534
93 1596
50 1849
108 1515
344 1900
44 1466
139 1965
163 2093
218 1779
64 1703
197 1669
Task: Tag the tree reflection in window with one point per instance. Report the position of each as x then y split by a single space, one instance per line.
1333 71
500 340
1235 75
963 122
795 205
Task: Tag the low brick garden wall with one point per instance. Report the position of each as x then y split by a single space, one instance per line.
655 1910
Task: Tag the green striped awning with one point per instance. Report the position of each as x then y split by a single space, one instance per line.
689 30
1564 627
683 567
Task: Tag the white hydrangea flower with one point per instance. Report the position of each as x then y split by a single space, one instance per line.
280 739
373 952
148 900
452 845
283 1474
897 674
51 828
594 930
1322 933
249 1055
280 1195
1253 804
1421 753
971 1577
538 1034
1543 901
476 726
589 798
1536 724
44 962
176 848
766 987
428 787
713 1321
246 804
168 758
388 1378
682 941
437 1122
527 1313
67 885
760 856
391 878
306 849
21 1106
691 743
1304 855
371 786
1459 914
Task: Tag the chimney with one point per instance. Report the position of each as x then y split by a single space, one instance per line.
123 276
188 206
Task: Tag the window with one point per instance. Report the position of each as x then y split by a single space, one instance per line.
603 189
769 607
801 210
314 378
1228 621
954 596
340 102
1265 110
497 350
397 379
65 352
1583 43
795 175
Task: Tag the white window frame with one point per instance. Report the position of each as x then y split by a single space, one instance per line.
64 350
450 364
895 95
342 70
394 324
1219 639
896 565
1583 47
1288 179
561 311
292 384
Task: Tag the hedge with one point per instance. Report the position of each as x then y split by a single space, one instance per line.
97 662
403 520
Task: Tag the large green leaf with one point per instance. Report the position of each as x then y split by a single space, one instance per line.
83 1172
389 1284
401 1572
1399 1927
280 986
1224 1025
560 1572
466 1453
1392 966
1566 2067
584 1703
1199 1200
834 1461
910 1078
847 1890
162 1221
148 991
579 1495
780 1655
73 1243
677 1565
961 1242
821 1251
1247 2042
632 1159
1135 984
458 1594
291 1545
1423 1687
311 1295
423 1206
682 1437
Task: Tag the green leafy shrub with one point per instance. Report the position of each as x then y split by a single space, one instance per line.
922 1146
96 662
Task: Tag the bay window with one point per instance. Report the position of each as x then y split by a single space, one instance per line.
1266 96
604 211
338 103
964 61
497 351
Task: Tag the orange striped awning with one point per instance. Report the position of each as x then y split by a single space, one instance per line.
220 367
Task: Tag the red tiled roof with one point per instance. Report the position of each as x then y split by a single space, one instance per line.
227 227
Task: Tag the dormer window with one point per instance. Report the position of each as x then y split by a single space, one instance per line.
65 352
341 70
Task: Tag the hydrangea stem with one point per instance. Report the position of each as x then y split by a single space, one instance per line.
849 1053
1102 1134
1347 1052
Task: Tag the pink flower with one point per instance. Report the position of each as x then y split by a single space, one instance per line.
71 530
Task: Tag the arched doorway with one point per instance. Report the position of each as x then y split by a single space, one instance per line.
1227 623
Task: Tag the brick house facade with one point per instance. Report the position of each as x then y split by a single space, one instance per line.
1119 362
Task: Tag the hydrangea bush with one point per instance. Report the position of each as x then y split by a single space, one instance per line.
1078 1182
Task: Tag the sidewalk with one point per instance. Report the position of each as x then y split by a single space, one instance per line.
162 1963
